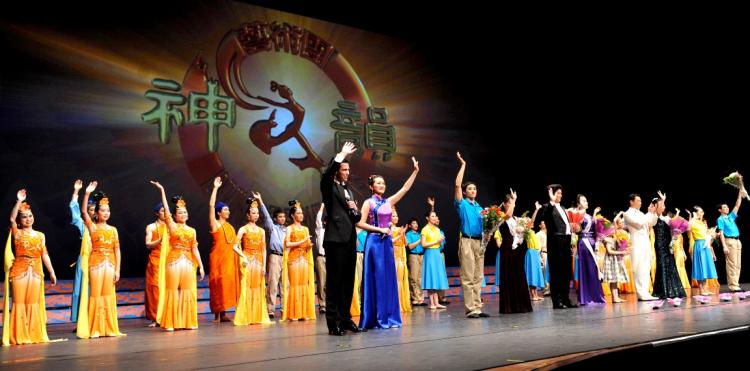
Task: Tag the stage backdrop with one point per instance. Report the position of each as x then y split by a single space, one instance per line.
259 97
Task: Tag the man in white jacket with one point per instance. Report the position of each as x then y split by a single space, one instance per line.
638 225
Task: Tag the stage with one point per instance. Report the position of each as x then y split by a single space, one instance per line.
430 339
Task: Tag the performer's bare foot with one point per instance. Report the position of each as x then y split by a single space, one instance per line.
216 318
618 300
152 324
224 317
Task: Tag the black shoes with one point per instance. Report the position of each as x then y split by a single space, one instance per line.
350 326
570 305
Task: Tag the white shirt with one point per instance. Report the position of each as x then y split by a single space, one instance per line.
564 215
637 224
319 233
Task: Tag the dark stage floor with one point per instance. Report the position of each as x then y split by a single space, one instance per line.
442 339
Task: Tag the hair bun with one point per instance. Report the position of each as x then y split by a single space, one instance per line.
293 202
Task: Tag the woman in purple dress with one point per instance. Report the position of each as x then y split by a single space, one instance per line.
589 276
380 304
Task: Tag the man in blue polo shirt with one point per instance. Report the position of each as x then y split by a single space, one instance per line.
470 251
416 252
729 235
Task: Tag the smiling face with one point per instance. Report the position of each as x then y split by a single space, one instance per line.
25 219
343 174
378 186
432 218
181 215
103 213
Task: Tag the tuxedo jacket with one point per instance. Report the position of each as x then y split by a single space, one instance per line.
339 222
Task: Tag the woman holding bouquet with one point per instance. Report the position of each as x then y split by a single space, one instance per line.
381 307
703 254
514 293
666 280
589 284
679 225
614 268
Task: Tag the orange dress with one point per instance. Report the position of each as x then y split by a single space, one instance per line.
402 273
101 303
297 276
179 306
251 306
27 322
152 275
224 272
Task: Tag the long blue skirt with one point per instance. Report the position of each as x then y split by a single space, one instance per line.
380 308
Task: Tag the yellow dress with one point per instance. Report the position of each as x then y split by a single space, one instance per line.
298 276
251 307
97 313
402 274
26 321
629 287
178 288
700 232
679 258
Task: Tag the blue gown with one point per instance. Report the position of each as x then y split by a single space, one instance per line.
380 308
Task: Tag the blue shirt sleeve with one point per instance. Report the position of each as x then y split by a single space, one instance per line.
267 222
732 215
75 217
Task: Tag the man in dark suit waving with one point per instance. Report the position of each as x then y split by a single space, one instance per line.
559 251
339 242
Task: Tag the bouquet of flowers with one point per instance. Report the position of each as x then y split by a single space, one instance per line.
623 239
492 217
526 227
604 228
575 218
735 181
678 225
710 237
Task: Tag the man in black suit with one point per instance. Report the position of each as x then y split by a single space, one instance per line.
339 242
559 249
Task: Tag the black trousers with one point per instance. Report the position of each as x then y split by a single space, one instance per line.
560 267
341 261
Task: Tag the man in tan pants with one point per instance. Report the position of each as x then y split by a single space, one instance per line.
470 251
413 239
277 231
730 241
320 261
